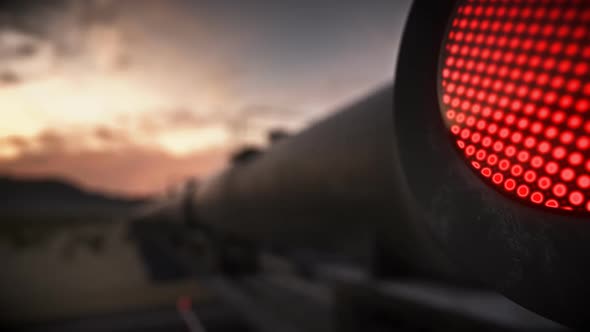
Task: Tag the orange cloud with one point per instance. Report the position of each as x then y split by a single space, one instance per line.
16 142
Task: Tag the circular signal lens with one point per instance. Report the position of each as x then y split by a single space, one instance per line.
514 85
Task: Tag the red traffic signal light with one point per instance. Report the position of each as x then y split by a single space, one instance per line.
514 90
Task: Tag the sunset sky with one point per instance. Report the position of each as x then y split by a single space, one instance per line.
131 96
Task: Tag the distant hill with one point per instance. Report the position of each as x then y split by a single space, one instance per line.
55 199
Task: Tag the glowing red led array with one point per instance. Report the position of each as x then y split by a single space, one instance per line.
515 95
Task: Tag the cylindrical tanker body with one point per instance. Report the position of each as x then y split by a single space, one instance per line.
329 188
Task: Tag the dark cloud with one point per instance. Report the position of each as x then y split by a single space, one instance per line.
99 12
30 16
51 141
63 24
122 62
26 7
25 50
111 135
51 137
27 15
9 78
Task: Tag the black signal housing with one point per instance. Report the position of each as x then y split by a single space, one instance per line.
534 256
